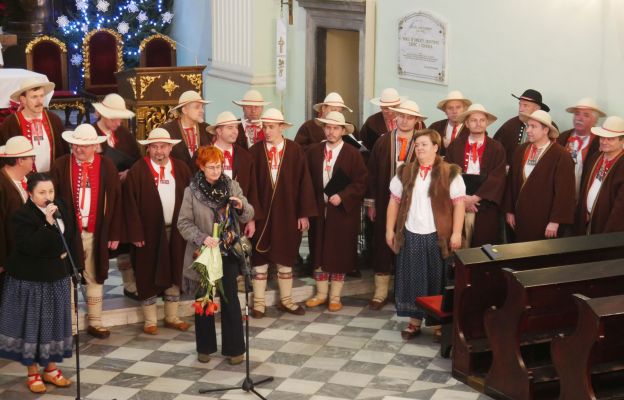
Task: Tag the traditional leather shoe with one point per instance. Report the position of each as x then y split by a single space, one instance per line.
100 333
35 384
296 311
151 330
56 378
203 358
257 314
131 295
181 325
236 359
377 305
410 332
333 307
315 302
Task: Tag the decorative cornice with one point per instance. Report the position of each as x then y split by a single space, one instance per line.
44 38
334 5
148 39
86 50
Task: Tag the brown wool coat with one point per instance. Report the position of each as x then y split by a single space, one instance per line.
10 200
243 172
277 238
442 174
373 129
11 127
311 133
440 127
109 215
608 211
548 195
493 165
381 170
333 233
180 150
509 135
126 142
158 264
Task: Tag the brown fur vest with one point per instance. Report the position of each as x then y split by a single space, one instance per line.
442 174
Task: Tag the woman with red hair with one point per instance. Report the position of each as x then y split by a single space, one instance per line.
213 197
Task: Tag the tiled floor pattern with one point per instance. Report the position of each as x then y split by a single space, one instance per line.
353 354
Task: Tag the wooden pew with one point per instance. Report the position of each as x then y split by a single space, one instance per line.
590 361
538 307
479 285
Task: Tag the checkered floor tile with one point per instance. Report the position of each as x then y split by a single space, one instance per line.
353 354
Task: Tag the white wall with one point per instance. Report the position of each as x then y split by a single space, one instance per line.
191 28
566 49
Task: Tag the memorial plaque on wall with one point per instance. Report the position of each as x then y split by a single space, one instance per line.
422 48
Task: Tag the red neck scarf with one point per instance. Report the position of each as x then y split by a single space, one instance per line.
191 139
454 133
275 158
254 133
390 123
229 158
86 175
473 153
328 157
34 129
158 175
403 150
423 170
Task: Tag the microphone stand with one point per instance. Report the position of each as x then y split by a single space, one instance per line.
248 384
77 280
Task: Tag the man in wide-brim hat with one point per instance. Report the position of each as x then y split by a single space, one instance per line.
334 232
286 202
122 149
309 132
250 131
237 163
89 185
601 197
483 164
453 105
17 157
153 193
513 132
42 128
579 140
383 121
390 151
539 199
189 127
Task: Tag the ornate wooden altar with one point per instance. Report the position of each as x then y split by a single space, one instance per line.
152 92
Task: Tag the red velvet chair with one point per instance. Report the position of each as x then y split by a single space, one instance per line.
47 55
102 57
157 51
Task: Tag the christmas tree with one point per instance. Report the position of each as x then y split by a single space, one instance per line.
133 19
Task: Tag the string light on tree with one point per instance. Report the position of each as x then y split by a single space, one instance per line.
133 19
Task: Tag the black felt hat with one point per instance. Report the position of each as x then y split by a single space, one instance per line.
533 96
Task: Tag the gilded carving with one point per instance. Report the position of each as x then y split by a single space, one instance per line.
194 79
44 38
149 118
148 39
86 63
145 82
77 105
170 86
132 82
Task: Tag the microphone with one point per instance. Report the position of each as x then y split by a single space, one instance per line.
193 52
57 214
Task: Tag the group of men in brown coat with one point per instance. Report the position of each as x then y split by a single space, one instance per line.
543 184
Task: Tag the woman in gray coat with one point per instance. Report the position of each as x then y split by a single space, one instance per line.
205 202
